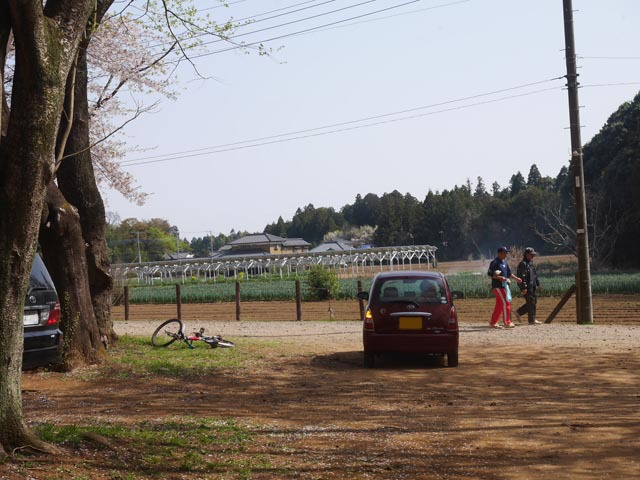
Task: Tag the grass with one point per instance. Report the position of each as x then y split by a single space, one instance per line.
135 356
168 446
165 447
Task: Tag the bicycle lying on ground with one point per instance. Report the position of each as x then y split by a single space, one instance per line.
173 329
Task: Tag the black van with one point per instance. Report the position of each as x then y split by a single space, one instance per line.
42 337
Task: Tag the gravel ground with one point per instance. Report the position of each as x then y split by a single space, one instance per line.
607 337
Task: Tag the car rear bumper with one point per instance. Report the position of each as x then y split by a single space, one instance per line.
42 348
410 343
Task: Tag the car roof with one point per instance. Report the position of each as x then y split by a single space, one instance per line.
408 274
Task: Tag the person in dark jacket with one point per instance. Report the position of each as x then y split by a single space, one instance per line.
500 273
529 286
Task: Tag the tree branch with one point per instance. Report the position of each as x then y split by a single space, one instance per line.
68 111
139 111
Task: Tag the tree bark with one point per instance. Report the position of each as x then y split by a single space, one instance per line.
63 251
76 181
46 44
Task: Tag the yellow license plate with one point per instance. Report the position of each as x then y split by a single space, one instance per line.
410 323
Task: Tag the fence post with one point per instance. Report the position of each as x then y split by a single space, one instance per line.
298 302
361 302
179 301
237 300
126 302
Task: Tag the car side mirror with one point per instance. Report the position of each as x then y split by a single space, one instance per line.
363 295
457 295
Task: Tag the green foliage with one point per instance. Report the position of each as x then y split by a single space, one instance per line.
475 285
322 284
612 172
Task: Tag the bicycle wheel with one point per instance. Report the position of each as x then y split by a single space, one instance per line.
222 343
167 333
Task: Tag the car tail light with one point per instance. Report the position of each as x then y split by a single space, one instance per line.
368 320
54 315
452 324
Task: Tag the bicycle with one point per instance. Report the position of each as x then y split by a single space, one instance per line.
173 329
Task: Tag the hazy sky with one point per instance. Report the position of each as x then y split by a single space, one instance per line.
399 60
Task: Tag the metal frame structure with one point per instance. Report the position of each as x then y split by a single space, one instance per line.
353 263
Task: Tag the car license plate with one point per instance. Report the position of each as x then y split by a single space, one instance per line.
31 318
410 323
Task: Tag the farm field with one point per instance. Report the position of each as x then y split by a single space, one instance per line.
608 309
472 284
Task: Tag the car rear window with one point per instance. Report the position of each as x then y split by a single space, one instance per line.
40 279
418 290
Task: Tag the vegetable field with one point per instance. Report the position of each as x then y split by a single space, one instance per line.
473 285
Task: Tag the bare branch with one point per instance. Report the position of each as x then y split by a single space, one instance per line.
139 111
68 111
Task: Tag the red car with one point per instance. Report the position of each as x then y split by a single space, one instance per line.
410 312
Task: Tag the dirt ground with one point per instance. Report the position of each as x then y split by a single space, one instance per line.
556 401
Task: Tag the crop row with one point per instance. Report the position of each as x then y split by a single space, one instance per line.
472 285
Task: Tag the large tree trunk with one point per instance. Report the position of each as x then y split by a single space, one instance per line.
76 180
63 250
46 44
25 170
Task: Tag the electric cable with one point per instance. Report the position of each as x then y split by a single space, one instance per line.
283 140
349 122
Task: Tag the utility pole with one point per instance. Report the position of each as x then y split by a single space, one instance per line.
585 310
139 254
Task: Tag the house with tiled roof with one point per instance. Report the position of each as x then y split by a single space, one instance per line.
334 246
260 244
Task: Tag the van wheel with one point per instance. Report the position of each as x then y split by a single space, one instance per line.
452 359
369 360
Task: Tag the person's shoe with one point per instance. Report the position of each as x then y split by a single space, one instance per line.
510 325
536 322
496 326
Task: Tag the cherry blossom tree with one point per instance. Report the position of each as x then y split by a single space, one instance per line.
45 135
46 38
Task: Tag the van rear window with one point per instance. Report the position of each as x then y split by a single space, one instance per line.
40 278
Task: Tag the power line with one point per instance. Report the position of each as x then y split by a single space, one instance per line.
283 140
292 21
609 58
609 84
283 8
327 13
188 37
259 42
349 122
390 16
220 6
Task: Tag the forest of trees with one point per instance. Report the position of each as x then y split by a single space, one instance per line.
471 220
468 220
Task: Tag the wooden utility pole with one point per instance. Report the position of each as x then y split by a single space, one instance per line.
585 311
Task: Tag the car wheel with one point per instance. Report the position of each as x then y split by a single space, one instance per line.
369 360
452 359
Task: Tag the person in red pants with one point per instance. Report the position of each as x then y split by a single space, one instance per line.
500 272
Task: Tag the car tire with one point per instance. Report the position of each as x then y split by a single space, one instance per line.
452 359
369 360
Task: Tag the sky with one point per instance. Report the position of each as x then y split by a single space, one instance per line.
301 112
